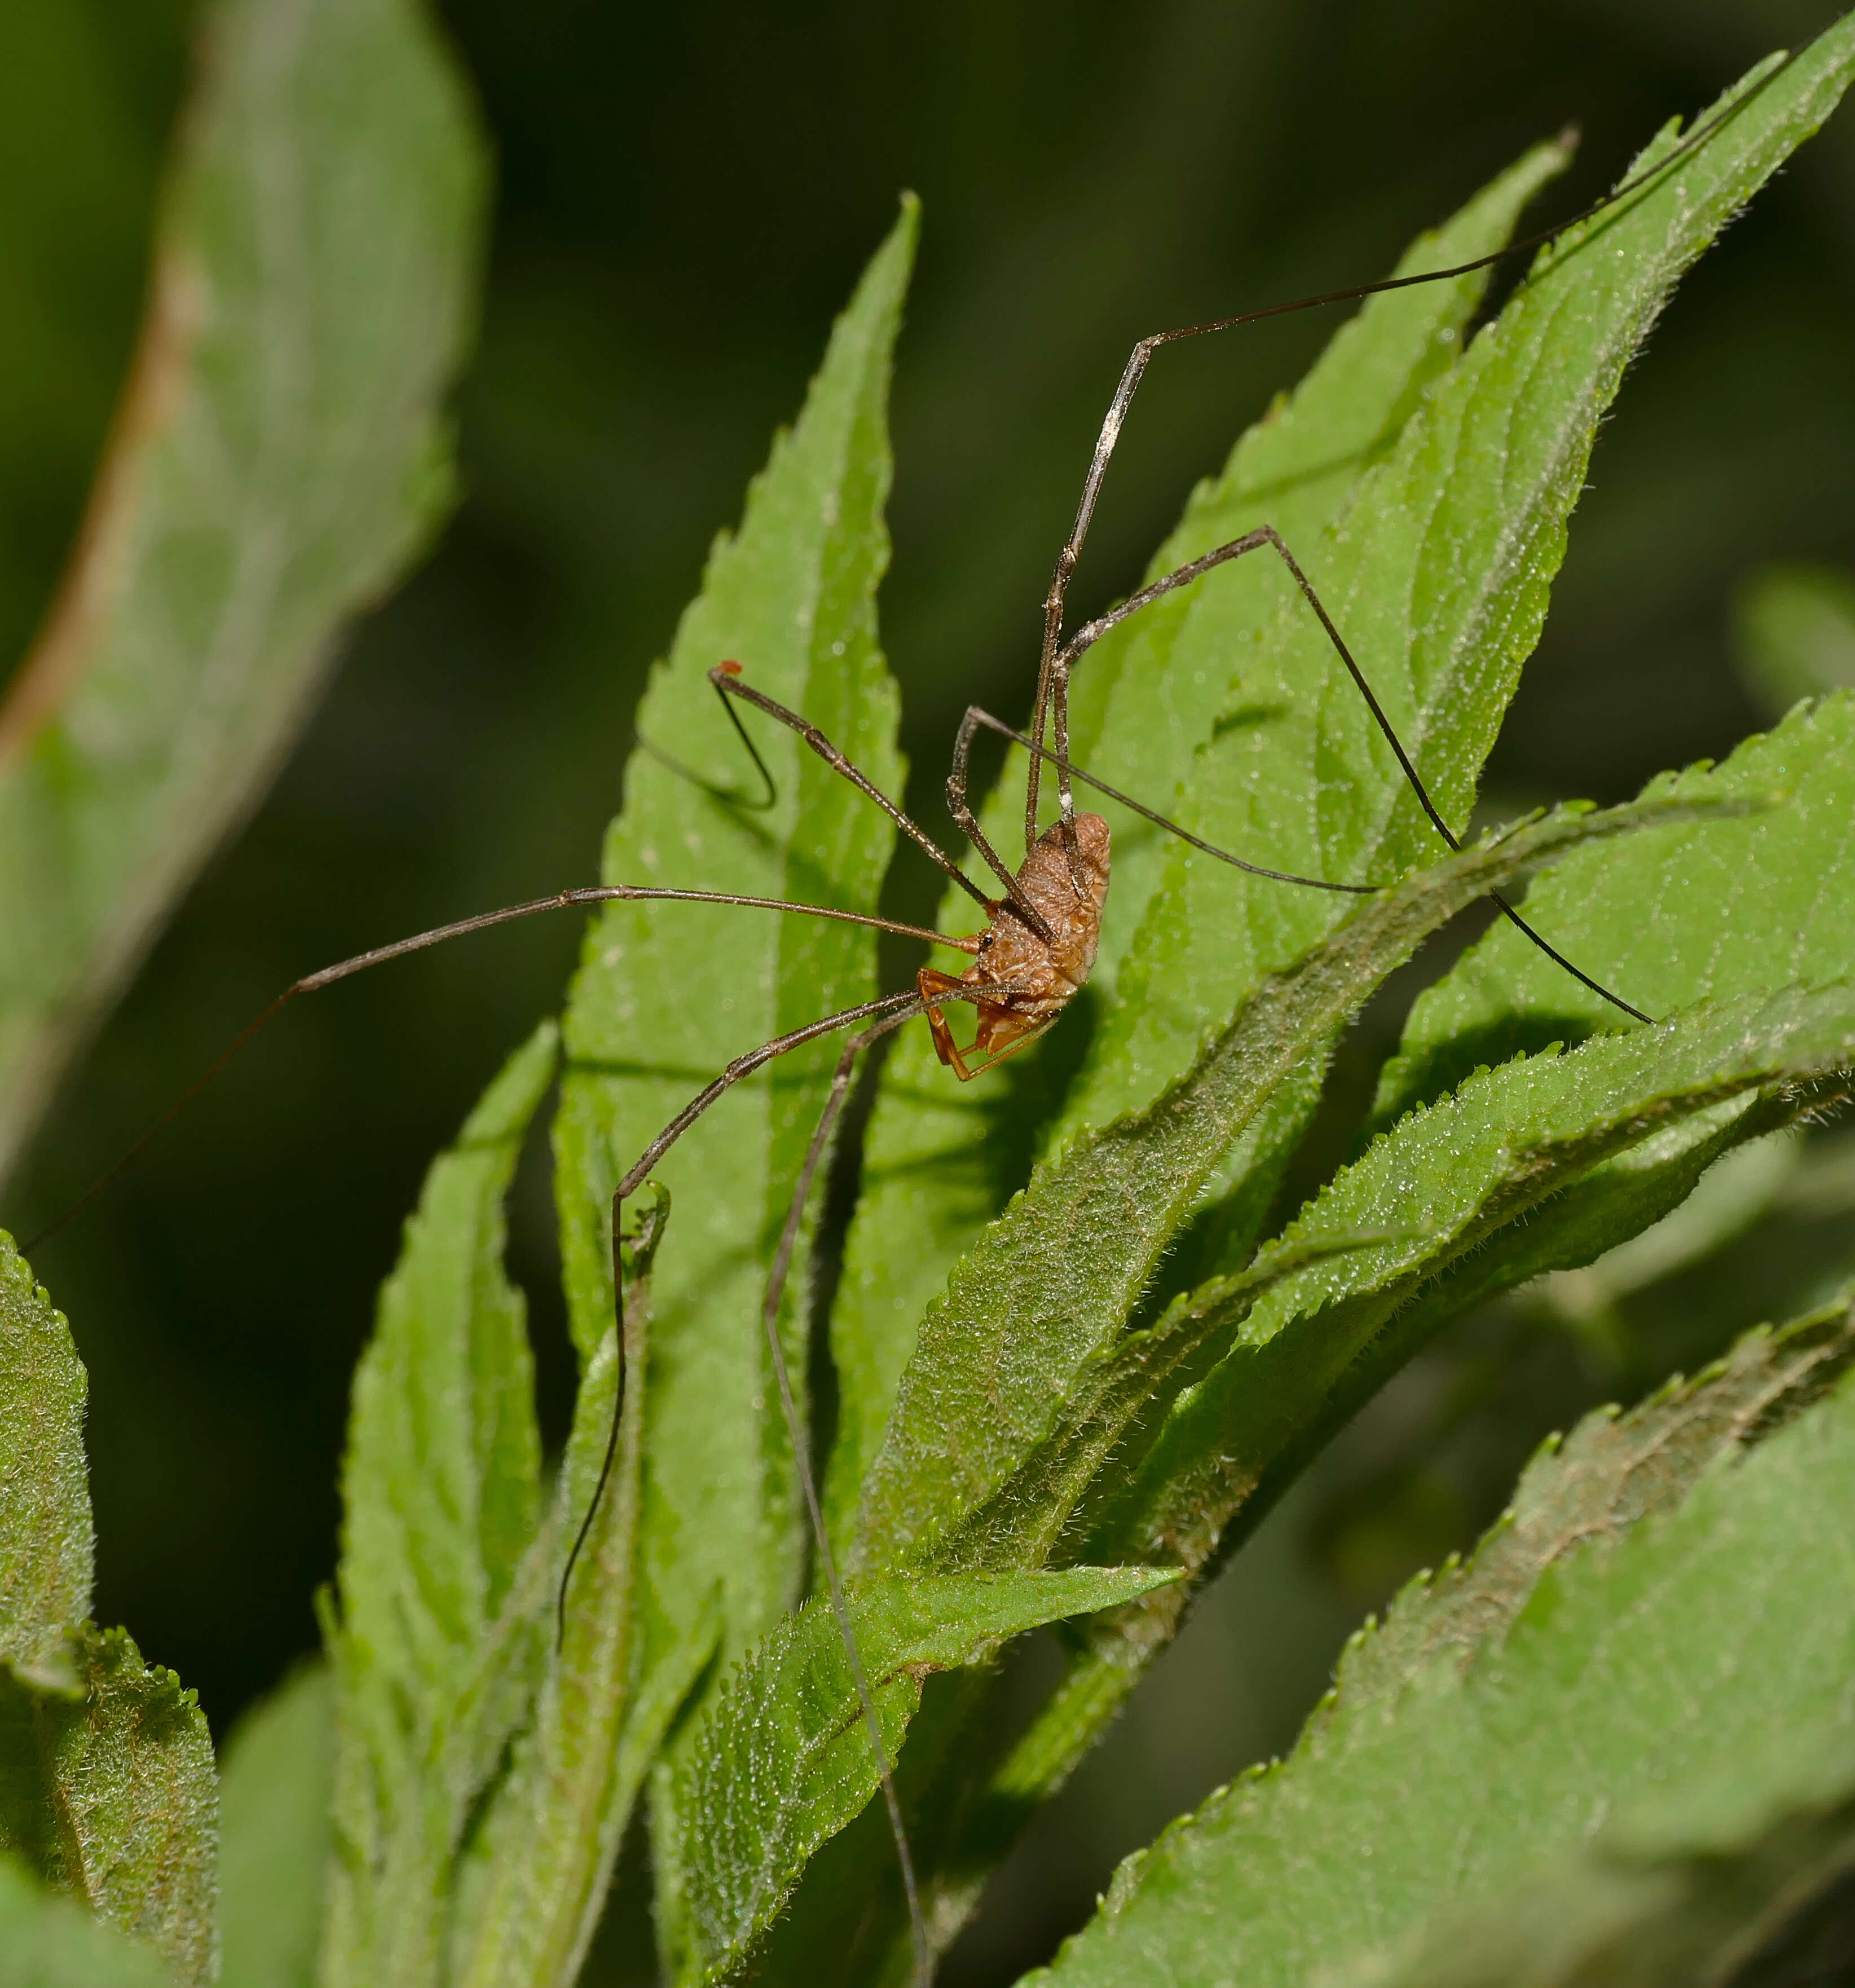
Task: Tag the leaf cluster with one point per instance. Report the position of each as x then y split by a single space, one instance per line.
1080 1329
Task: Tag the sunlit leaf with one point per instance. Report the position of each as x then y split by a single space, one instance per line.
782 1760
1146 697
1710 908
666 994
1620 1684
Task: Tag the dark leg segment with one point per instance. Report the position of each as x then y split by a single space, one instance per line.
1053 713
726 679
1056 676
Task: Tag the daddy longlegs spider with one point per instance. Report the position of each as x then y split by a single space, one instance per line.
1038 944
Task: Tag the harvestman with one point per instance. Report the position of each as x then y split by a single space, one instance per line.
1039 945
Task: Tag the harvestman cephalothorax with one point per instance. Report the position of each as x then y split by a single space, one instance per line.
1039 941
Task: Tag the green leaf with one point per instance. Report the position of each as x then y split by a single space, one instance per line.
276 1834
106 1782
278 457
1727 1868
529 1891
1781 882
781 1758
50 1941
438 1638
1439 579
107 1791
1590 1487
1470 1186
1054 1279
1661 1892
666 994
1620 1684
46 1540
1145 698
1795 631
1437 572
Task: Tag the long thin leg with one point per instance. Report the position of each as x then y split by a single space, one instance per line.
726 678
1052 712
975 719
1266 536
343 969
891 1011
898 1007
807 1482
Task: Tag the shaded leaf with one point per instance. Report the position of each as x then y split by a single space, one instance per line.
47 1940
1621 1683
46 1540
276 1834
1727 1877
782 1759
107 1791
277 458
1592 1486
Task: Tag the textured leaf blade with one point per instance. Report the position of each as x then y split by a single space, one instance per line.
107 1791
1657 1903
667 994
1438 580
278 457
782 1760
46 1538
275 1836
1054 1280
440 1492
1708 909
529 1891
1461 1182
1145 699
1377 1821
1612 1471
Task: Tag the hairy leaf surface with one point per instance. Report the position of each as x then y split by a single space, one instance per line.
1467 1183
782 1758
1710 908
666 994
1590 1487
1147 697
1054 1280
442 1496
107 1791
1620 1681
46 1539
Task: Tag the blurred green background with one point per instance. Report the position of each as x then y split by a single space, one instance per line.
686 196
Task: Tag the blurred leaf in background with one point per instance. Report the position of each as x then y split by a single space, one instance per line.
278 454
1795 626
